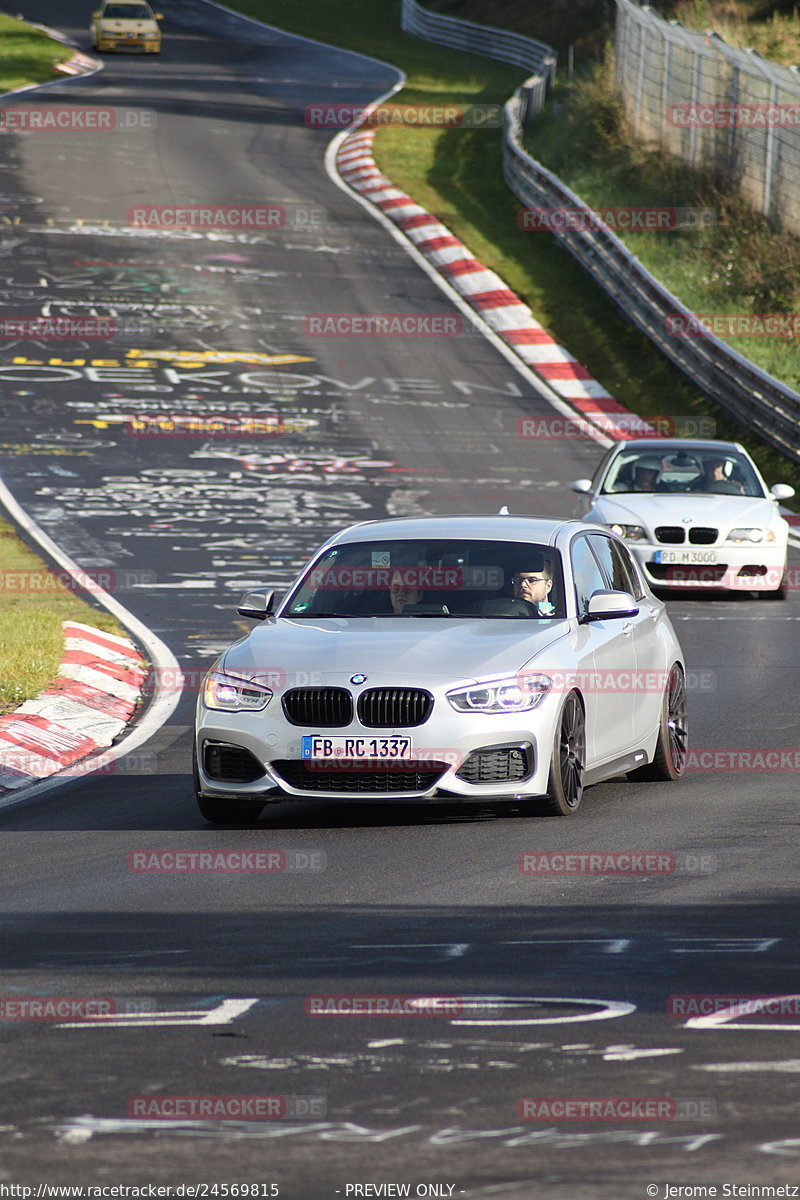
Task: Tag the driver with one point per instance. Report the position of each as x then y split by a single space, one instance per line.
647 474
533 585
715 477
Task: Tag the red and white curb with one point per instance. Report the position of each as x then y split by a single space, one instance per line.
79 64
487 294
99 686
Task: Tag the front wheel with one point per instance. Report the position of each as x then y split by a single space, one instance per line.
669 760
568 762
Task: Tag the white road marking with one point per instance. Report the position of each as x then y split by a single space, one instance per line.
223 1014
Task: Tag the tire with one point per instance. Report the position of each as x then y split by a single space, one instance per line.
568 762
224 812
669 760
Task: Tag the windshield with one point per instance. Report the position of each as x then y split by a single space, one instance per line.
710 471
432 578
127 12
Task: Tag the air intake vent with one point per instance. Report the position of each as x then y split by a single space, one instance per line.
320 707
230 764
392 708
700 536
354 778
501 764
670 535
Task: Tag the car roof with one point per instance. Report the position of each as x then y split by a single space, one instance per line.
671 445
495 527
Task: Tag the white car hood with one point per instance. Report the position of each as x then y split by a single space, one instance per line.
650 509
405 651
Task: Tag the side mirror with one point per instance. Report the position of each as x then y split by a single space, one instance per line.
159 16
603 606
782 491
257 605
96 14
581 485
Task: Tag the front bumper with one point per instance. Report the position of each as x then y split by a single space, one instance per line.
741 567
143 45
454 755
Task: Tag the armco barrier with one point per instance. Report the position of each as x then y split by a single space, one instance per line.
501 44
752 396
756 399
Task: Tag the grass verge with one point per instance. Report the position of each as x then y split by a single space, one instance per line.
33 603
456 174
26 54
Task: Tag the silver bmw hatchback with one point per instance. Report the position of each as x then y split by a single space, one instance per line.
466 658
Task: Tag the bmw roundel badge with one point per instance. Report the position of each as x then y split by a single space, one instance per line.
358 678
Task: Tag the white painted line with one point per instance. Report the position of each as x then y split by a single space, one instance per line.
789 1066
223 1014
725 1018
165 698
607 1010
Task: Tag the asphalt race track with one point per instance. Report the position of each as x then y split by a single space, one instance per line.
559 983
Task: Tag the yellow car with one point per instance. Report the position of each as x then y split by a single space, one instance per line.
126 25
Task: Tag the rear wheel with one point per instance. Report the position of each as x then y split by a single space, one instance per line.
669 760
568 761
224 812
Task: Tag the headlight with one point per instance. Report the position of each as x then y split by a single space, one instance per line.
750 535
633 533
232 694
520 694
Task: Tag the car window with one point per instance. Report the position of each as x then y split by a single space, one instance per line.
427 577
127 12
587 573
668 469
615 563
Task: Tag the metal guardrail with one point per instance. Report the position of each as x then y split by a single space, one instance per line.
755 398
713 105
501 44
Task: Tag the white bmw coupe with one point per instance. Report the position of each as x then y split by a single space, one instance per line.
696 514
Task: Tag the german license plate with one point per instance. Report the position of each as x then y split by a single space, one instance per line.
325 746
708 557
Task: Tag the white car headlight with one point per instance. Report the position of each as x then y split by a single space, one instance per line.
632 533
232 694
750 535
520 694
